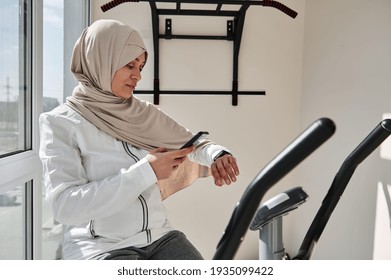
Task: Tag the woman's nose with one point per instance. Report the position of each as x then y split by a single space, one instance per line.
136 75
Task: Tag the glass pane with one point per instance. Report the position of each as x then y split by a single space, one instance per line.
53 53
53 63
13 86
11 221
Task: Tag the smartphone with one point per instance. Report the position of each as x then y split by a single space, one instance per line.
196 139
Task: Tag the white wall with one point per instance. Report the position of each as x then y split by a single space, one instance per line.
341 70
347 77
256 130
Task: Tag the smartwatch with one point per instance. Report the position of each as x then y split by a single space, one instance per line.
220 154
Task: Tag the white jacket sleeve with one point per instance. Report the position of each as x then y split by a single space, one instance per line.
206 154
73 198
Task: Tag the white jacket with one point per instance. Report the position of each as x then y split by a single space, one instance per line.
102 189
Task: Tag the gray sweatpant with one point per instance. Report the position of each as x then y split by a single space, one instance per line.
172 246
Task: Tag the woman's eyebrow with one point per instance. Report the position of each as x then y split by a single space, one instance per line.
137 59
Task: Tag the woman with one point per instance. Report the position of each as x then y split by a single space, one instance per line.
110 159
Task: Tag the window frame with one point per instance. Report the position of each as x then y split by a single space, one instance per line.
23 167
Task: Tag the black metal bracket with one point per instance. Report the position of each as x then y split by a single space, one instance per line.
168 33
234 34
230 30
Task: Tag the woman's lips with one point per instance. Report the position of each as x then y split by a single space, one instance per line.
132 87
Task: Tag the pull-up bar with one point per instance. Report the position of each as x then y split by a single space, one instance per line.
219 3
234 34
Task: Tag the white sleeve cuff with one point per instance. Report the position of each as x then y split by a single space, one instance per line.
206 155
146 172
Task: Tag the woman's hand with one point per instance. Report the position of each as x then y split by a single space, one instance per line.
225 170
164 163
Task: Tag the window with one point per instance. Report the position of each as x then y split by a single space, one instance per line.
53 81
53 49
15 71
18 161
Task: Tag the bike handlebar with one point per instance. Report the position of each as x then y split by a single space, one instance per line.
341 179
307 142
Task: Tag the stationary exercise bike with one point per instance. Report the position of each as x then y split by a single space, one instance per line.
268 217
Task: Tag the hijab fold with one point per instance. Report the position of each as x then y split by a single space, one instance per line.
102 49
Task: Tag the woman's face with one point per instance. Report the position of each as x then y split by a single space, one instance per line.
126 78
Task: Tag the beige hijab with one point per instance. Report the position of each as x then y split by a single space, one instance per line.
102 49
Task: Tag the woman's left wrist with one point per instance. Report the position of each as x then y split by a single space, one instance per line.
221 154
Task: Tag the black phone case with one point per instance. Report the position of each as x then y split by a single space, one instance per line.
194 139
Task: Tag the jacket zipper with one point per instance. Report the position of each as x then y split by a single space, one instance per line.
144 205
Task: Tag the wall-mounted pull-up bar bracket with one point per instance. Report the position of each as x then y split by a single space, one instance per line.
233 33
168 32
230 30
